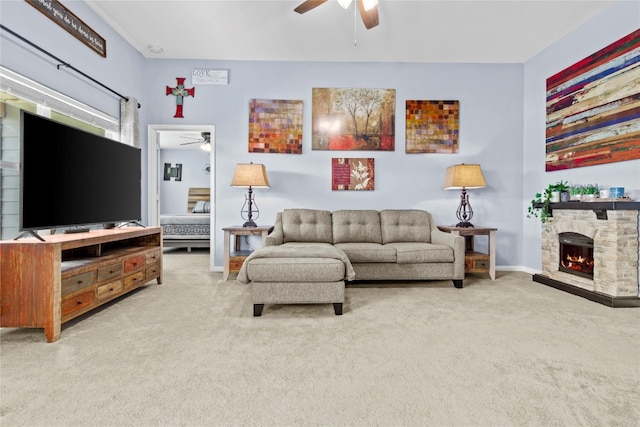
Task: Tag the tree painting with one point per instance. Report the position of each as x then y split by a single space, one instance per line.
353 119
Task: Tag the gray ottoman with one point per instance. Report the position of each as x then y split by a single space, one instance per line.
307 275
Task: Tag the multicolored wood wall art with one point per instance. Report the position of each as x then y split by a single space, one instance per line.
352 174
593 108
432 126
180 92
353 119
275 126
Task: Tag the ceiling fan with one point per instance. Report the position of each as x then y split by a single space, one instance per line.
368 9
204 141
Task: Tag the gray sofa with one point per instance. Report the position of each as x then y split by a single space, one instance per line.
310 254
381 245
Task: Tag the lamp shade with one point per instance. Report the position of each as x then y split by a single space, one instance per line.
464 176
250 175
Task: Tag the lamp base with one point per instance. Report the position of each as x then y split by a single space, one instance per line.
464 224
249 224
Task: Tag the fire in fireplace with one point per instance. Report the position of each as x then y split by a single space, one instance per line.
576 254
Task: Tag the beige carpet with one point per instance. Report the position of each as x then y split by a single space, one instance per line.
189 353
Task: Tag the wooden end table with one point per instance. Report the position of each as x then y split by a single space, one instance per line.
233 260
477 262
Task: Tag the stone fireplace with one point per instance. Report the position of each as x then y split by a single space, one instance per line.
591 249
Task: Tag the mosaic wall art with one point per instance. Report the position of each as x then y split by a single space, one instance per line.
275 126
353 119
593 108
432 126
352 174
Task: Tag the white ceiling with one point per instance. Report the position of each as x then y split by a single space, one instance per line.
450 31
454 31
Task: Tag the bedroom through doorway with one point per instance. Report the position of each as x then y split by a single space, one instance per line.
181 182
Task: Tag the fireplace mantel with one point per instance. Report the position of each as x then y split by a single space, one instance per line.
613 205
600 208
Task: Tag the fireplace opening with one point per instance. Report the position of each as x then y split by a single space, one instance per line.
576 254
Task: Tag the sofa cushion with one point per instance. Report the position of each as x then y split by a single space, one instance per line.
405 226
307 225
356 226
415 252
368 252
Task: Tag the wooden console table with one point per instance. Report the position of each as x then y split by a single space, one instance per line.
477 262
233 260
45 284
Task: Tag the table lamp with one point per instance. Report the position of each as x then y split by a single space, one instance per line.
464 177
250 175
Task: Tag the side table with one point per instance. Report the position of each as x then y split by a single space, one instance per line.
477 262
233 260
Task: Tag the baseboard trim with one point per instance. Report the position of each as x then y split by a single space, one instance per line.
608 300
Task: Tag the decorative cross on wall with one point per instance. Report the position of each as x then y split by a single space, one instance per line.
180 92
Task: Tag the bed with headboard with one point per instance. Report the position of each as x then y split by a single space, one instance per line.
191 229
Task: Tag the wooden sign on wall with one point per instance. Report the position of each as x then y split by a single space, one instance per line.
62 16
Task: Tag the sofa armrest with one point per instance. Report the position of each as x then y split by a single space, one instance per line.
439 237
276 236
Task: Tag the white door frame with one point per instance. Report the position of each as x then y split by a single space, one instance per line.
154 171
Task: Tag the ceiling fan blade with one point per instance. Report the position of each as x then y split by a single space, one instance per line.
194 142
307 5
370 17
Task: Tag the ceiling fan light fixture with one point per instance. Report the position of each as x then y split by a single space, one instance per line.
206 146
345 3
369 4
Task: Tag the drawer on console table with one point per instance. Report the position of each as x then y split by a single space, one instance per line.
77 302
133 263
109 271
152 257
134 280
109 289
75 283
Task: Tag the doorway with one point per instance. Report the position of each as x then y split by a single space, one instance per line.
156 170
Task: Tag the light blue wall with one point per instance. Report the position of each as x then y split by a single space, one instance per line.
622 18
501 120
491 134
175 194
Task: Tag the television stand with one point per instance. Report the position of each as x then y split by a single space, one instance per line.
29 233
50 281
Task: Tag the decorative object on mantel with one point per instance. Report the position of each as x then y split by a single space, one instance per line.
62 16
249 175
353 119
554 193
584 192
352 174
464 177
275 126
432 126
180 92
591 119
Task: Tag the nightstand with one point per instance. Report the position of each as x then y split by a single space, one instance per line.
233 260
477 262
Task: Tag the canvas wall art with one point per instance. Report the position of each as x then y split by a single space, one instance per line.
353 119
593 108
352 174
275 126
432 126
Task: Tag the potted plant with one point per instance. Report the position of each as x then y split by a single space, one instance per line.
559 192
539 205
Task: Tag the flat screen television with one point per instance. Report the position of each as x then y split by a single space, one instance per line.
71 178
